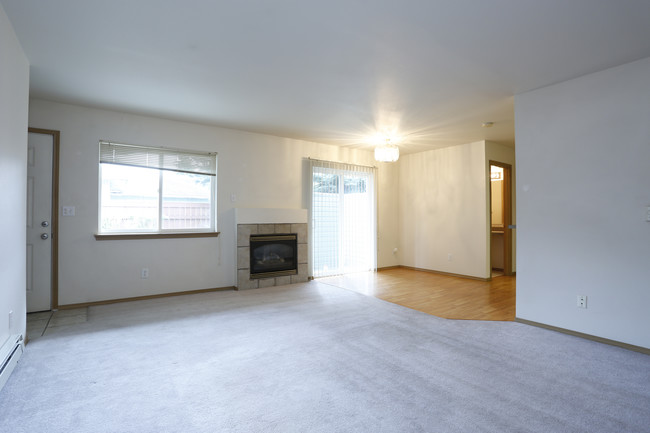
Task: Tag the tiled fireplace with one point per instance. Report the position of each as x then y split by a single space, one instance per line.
278 238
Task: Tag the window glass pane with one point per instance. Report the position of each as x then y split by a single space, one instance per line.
129 199
355 235
326 220
354 184
326 183
186 201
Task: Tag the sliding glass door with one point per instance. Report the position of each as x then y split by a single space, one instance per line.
343 218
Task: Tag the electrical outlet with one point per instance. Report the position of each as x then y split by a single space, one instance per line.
144 274
449 257
582 301
68 211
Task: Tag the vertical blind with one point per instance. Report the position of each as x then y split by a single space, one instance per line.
343 218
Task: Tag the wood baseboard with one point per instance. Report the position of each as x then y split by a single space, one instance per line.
142 298
443 273
387 268
632 347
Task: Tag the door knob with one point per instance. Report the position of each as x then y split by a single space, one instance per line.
45 224
44 236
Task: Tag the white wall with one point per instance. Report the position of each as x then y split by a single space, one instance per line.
583 159
505 154
443 210
14 94
262 171
388 214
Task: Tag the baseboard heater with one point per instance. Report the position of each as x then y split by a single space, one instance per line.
10 353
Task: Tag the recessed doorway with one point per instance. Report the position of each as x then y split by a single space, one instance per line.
500 219
42 220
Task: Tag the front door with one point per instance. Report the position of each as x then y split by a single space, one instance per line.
40 169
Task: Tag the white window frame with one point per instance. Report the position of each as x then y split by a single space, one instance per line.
159 162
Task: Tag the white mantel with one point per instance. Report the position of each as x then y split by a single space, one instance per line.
270 216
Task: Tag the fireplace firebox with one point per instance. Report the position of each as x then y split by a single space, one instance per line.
273 255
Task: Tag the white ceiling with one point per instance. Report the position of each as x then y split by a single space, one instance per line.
331 71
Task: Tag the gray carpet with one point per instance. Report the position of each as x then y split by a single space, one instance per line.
316 358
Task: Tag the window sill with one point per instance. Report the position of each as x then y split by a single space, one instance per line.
134 236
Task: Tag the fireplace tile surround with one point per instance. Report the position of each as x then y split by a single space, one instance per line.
270 221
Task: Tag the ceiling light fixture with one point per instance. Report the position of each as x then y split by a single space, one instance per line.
388 151
487 124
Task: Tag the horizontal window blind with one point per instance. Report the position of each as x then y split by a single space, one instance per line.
159 158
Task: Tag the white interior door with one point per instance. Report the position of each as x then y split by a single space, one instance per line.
39 222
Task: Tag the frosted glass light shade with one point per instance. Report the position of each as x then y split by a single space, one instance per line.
387 153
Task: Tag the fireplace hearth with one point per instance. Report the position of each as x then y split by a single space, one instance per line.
263 259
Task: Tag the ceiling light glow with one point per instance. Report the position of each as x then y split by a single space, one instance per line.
386 149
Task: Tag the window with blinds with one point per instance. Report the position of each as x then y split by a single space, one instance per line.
156 190
343 228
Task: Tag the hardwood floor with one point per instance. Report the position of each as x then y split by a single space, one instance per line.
440 295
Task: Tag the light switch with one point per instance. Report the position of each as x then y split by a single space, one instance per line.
68 211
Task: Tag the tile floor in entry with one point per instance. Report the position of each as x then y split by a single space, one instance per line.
39 323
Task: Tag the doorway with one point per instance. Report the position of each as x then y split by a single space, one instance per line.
42 219
500 218
343 219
